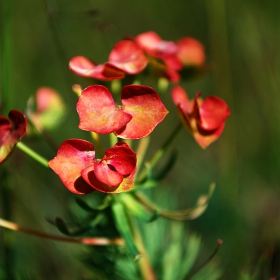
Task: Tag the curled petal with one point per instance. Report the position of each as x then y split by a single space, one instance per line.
122 158
212 113
146 109
106 174
126 185
128 56
73 156
97 111
12 129
84 67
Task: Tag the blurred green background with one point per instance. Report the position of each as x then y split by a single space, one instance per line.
241 39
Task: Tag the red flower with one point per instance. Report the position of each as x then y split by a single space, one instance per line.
139 114
204 119
81 173
162 55
12 129
125 58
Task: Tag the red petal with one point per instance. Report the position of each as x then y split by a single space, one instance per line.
191 52
128 57
180 97
98 112
73 156
148 41
126 185
205 140
84 67
146 108
213 113
122 158
105 174
11 131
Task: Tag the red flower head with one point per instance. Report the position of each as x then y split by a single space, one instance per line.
205 119
82 173
162 54
125 58
12 129
139 114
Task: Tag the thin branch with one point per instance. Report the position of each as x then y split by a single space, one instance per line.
99 241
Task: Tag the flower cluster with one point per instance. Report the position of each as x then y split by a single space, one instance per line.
139 114
132 55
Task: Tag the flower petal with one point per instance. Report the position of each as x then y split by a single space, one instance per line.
212 112
180 97
90 177
146 109
12 129
128 56
121 157
191 52
106 174
73 156
98 112
84 67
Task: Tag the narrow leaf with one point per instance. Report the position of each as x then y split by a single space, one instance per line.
124 229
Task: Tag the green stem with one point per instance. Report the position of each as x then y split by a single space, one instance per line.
32 154
160 152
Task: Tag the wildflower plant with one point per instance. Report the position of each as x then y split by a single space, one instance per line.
123 170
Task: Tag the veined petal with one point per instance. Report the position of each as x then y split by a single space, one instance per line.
97 111
146 109
73 156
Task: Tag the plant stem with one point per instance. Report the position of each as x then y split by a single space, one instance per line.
97 142
101 241
160 152
145 267
32 154
141 152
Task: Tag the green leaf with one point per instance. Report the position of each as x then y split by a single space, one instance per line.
122 224
61 226
137 209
